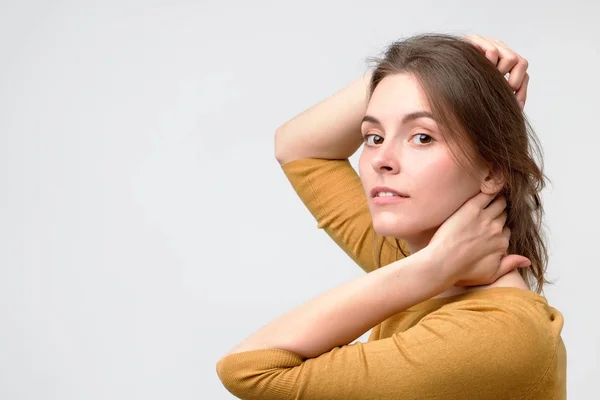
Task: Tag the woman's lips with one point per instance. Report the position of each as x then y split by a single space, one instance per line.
385 189
383 200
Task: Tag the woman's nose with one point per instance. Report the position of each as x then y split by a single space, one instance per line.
386 162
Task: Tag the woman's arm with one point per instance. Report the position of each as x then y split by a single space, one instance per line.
495 344
470 247
313 149
345 313
329 129
333 193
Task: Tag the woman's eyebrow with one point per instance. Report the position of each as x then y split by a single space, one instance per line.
407 118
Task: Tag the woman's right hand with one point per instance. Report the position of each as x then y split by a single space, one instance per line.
507 62
471 245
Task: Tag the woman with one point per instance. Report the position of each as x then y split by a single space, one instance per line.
447 176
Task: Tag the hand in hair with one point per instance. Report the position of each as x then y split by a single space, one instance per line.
507 62
471 245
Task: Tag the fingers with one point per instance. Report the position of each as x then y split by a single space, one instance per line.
496 207
482 200
507 62
522 91
511 62
507 58
517 73
506 235
511 262
502 218
490 50
490 202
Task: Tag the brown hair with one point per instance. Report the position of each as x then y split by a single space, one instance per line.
477 110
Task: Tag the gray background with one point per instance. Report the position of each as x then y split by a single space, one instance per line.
145 225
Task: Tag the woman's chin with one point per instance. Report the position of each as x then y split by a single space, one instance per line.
400 228
392 229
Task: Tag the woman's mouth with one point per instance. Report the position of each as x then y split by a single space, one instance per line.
388 199
385 195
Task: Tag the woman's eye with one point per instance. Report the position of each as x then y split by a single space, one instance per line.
423 137
369 136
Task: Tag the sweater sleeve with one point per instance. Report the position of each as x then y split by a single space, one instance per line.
476 350
333 193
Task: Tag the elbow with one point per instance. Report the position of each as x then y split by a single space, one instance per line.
243 379
279 147
245 374
230 376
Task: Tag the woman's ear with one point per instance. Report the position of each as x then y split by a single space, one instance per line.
493 182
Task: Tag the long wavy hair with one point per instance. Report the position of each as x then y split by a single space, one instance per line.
479 116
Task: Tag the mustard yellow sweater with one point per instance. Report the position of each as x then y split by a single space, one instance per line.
498 343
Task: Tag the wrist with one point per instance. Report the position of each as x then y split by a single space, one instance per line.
436 262
404 283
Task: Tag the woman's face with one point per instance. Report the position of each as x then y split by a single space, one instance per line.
404 150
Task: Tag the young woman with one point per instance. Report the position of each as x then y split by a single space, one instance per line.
445 218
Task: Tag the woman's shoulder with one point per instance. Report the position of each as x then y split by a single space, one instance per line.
508 307
508 291
512 311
